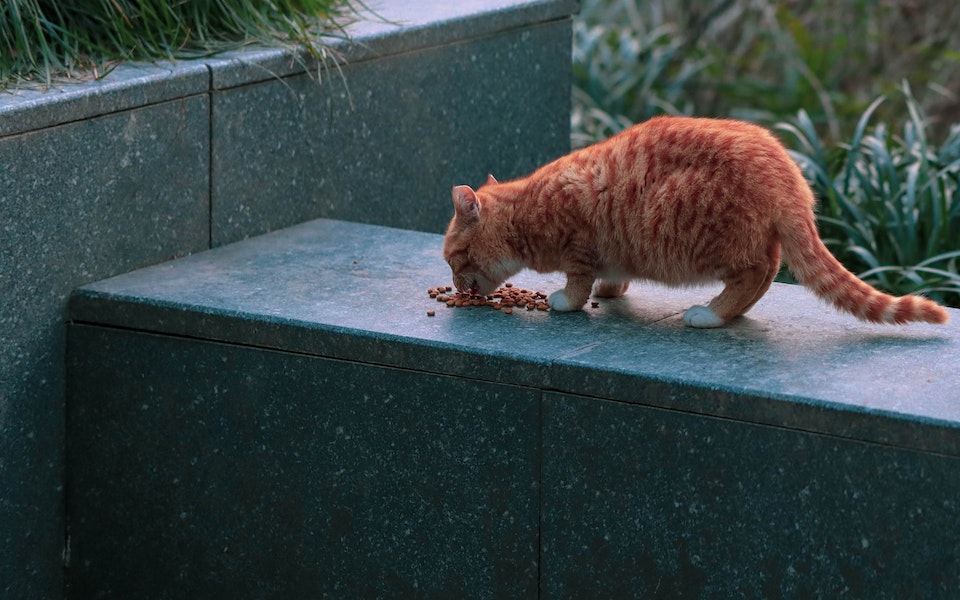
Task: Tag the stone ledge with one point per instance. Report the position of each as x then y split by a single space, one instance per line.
394 28
357 292
240 416
129 86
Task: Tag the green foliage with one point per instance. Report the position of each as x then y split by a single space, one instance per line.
761 60
889 203
41 40
633 60
624 72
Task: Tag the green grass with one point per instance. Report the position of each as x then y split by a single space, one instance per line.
44 40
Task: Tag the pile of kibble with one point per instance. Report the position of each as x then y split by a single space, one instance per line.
505 298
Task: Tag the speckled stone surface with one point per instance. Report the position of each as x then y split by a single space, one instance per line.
392 27
343 290
78 202
809 481
385 140
201 470
129 85
749 454
650 503
791 361
82 201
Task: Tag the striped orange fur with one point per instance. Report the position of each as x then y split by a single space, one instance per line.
676 200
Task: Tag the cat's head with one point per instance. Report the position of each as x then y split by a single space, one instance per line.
474 246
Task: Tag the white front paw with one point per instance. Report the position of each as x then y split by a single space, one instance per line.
701 317
558 301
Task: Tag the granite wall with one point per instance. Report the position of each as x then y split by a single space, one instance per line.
158 161
286 403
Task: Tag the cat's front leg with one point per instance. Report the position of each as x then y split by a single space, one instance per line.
574 295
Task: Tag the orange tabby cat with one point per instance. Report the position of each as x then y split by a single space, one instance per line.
675 200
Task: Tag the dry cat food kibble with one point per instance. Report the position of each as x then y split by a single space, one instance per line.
506 298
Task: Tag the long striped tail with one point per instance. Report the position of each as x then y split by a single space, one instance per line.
818 270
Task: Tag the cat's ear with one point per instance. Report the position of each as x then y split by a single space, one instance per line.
466 203
491 180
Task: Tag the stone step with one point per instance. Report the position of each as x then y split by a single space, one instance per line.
281 417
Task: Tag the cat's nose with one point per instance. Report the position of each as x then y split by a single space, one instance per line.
462 284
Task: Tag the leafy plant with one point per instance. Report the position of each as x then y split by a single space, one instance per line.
624 73
761 60
634 60
889 203
41 40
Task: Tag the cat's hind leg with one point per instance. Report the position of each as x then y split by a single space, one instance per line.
574 295
606 288
773 267
742 291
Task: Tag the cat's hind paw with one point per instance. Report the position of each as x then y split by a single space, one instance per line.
558 301
701 317
610 289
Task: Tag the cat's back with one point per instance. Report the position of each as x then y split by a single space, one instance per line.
680 152
686 140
